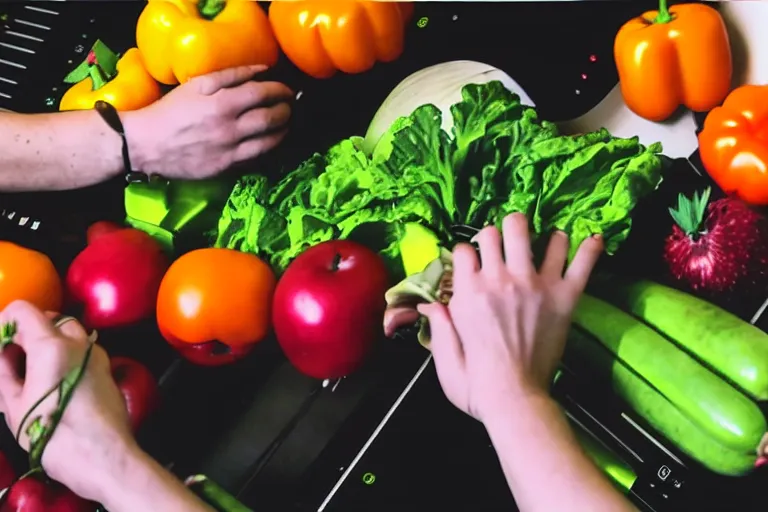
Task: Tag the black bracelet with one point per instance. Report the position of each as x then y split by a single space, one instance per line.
109 114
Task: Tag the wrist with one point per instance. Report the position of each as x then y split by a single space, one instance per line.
130 470
136 129
515 407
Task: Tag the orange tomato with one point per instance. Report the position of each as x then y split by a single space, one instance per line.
28 275
218 295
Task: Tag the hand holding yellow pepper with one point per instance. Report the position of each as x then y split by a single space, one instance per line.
123 82
181 39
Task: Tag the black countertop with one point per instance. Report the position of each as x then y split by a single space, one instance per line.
258 426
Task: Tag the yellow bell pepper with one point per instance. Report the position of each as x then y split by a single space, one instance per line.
181 39
123 82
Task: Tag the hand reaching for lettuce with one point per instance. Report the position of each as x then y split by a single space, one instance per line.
498 159
499 322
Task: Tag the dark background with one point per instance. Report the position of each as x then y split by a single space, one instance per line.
256 427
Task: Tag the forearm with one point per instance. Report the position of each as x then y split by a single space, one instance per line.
544 464
141 483
59 151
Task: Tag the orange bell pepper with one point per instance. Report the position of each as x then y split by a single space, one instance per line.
181 39
123 82
674 56
326 36
733 144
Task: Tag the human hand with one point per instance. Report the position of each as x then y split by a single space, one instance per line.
503 333
93 438
208 124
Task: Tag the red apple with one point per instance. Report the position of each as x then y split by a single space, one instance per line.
99 228
116 278
33 495
138 387
328 308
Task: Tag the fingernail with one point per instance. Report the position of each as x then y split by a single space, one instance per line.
597 236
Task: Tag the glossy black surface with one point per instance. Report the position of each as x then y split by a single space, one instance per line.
258 427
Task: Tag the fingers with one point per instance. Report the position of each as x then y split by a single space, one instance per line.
555 257
517 245
72 329
445 343
581 267
67 326
258 121
232 77
491 256
31 323
256 146
465 265
256 94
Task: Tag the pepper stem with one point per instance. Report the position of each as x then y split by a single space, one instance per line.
209 9
100 65
689 215
98 76
664 15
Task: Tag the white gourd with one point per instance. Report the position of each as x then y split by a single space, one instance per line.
439 85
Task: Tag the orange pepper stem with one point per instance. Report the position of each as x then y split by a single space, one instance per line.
209 9
664 14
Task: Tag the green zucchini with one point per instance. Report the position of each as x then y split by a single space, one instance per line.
585 356
707 400
621 474
733 348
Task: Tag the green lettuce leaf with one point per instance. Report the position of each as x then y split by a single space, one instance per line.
498 159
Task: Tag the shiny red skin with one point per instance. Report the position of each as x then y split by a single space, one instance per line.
117 277
209 353
138 387
101 228
326 318
34 495
7 474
